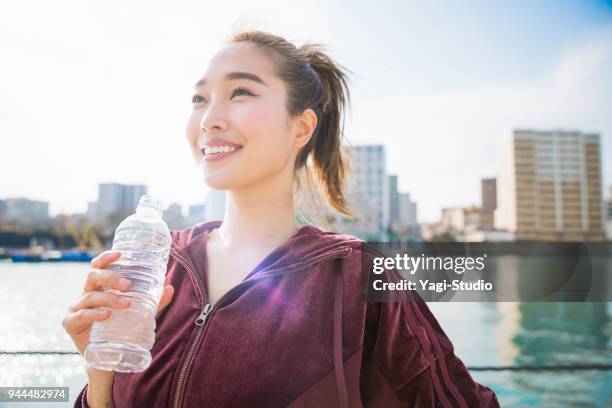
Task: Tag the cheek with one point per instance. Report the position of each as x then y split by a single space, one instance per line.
193 129
252 122
264 127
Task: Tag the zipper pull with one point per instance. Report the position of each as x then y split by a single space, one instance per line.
204 315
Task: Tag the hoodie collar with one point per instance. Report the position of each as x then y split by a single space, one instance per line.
308 244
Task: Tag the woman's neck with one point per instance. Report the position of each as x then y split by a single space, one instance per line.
262 218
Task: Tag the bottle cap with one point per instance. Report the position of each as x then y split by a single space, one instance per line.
148 201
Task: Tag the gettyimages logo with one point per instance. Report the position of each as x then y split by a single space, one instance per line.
425 265
487 272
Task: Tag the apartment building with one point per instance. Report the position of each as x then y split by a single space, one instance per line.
550 186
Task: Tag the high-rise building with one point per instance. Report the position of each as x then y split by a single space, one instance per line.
92 209
407 211
394 199
489 194
25 210
608 215
369 169
549 187
118 197
489 202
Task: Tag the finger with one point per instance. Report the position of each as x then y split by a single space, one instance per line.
81 320
105 278
105 258
165 299
97 299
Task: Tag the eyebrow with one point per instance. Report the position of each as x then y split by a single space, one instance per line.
231 76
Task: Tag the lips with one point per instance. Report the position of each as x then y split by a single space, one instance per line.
212 154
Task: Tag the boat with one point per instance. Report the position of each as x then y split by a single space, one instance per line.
52 256
76 255
38 254
32 254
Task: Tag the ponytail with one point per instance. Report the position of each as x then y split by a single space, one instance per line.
329 167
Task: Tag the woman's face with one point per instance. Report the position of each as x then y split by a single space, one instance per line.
239 102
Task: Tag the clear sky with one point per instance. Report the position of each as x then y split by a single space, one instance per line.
96 92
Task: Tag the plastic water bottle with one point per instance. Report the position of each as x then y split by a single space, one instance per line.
124 340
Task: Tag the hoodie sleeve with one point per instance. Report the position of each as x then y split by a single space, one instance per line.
81 399
409 361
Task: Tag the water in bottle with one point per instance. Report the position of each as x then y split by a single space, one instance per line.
123 341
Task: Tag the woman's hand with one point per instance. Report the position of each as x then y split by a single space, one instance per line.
86 310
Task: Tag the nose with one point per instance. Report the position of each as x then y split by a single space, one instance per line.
213 118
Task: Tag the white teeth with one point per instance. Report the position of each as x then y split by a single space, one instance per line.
218 149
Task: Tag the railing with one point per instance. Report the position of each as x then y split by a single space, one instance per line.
556 367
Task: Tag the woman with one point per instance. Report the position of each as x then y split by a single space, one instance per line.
259 311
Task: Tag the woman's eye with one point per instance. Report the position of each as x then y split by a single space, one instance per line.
241 89
237 92
196 99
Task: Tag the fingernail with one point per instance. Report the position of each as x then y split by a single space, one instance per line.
124 301
124 282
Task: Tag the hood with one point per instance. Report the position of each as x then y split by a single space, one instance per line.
307 244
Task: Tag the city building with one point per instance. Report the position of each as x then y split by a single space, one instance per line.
488 189
25 210
367 225
608 215
92 210
368 165
461 220
113 197
3 207
404 226
407 211
549 186
466 224
491 235
197 212
394 200
436 231
173 216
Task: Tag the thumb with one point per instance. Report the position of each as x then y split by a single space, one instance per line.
166 298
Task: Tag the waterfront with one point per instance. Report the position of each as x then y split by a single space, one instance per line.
34 298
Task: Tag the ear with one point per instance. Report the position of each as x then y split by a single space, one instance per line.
305 127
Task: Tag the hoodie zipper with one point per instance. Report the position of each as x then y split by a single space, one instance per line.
201 320
209 310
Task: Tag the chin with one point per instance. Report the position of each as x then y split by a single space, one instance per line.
219 181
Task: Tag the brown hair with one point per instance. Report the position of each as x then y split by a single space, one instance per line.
313 80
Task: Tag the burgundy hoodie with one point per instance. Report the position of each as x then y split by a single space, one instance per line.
296 333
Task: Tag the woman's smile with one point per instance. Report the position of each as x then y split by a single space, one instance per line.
219 150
